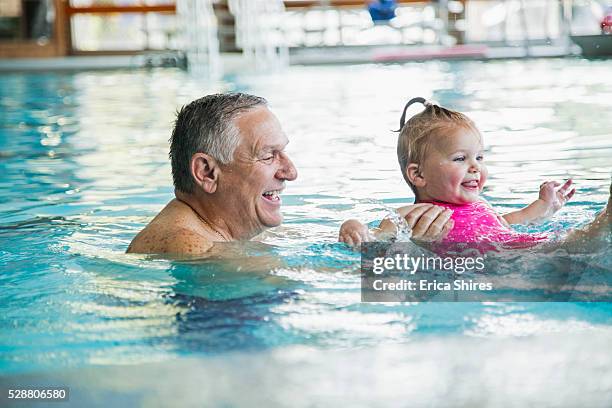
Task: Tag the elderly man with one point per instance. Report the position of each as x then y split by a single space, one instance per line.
229 167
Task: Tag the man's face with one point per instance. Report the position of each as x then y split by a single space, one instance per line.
253 181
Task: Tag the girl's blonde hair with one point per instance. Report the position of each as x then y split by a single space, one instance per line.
418 132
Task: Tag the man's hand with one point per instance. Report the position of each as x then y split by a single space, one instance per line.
353 233
429 223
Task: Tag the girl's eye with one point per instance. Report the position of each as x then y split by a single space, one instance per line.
459 159
480 158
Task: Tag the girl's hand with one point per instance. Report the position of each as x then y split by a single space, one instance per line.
549 202
353 233
554 198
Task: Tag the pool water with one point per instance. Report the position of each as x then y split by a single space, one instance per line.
84 165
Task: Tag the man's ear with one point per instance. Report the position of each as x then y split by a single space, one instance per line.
205 172
414 175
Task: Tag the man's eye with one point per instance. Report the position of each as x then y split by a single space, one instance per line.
267 159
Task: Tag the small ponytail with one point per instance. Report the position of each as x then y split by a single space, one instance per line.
418 99
416 132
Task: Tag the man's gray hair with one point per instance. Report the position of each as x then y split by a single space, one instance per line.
207 125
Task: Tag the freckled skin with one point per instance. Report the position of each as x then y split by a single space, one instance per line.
176 229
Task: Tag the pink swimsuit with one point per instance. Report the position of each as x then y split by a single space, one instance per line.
477 223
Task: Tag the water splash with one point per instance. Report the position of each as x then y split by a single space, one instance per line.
200 42
259 32
403 230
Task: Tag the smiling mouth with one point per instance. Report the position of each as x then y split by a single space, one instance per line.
272 195
470 185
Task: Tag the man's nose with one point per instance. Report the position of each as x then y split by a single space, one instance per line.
287 170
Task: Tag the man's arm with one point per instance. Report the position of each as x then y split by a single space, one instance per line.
593 236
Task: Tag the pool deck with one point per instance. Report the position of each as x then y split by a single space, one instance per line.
74 63
399 53
233 63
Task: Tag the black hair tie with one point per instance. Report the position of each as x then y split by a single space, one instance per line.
418 99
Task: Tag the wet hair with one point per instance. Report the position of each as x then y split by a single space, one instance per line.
417 134
207 125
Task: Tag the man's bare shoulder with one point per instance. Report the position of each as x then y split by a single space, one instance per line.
176 240
185 241
170 232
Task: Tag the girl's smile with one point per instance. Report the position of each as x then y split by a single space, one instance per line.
453 170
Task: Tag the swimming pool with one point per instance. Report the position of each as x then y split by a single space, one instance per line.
83 158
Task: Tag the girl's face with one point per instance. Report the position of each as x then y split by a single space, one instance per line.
453 170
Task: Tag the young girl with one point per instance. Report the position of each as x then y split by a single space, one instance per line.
440 153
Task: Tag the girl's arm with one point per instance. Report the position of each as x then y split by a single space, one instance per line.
548 203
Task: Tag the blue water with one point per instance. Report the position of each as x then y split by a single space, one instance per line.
83 159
